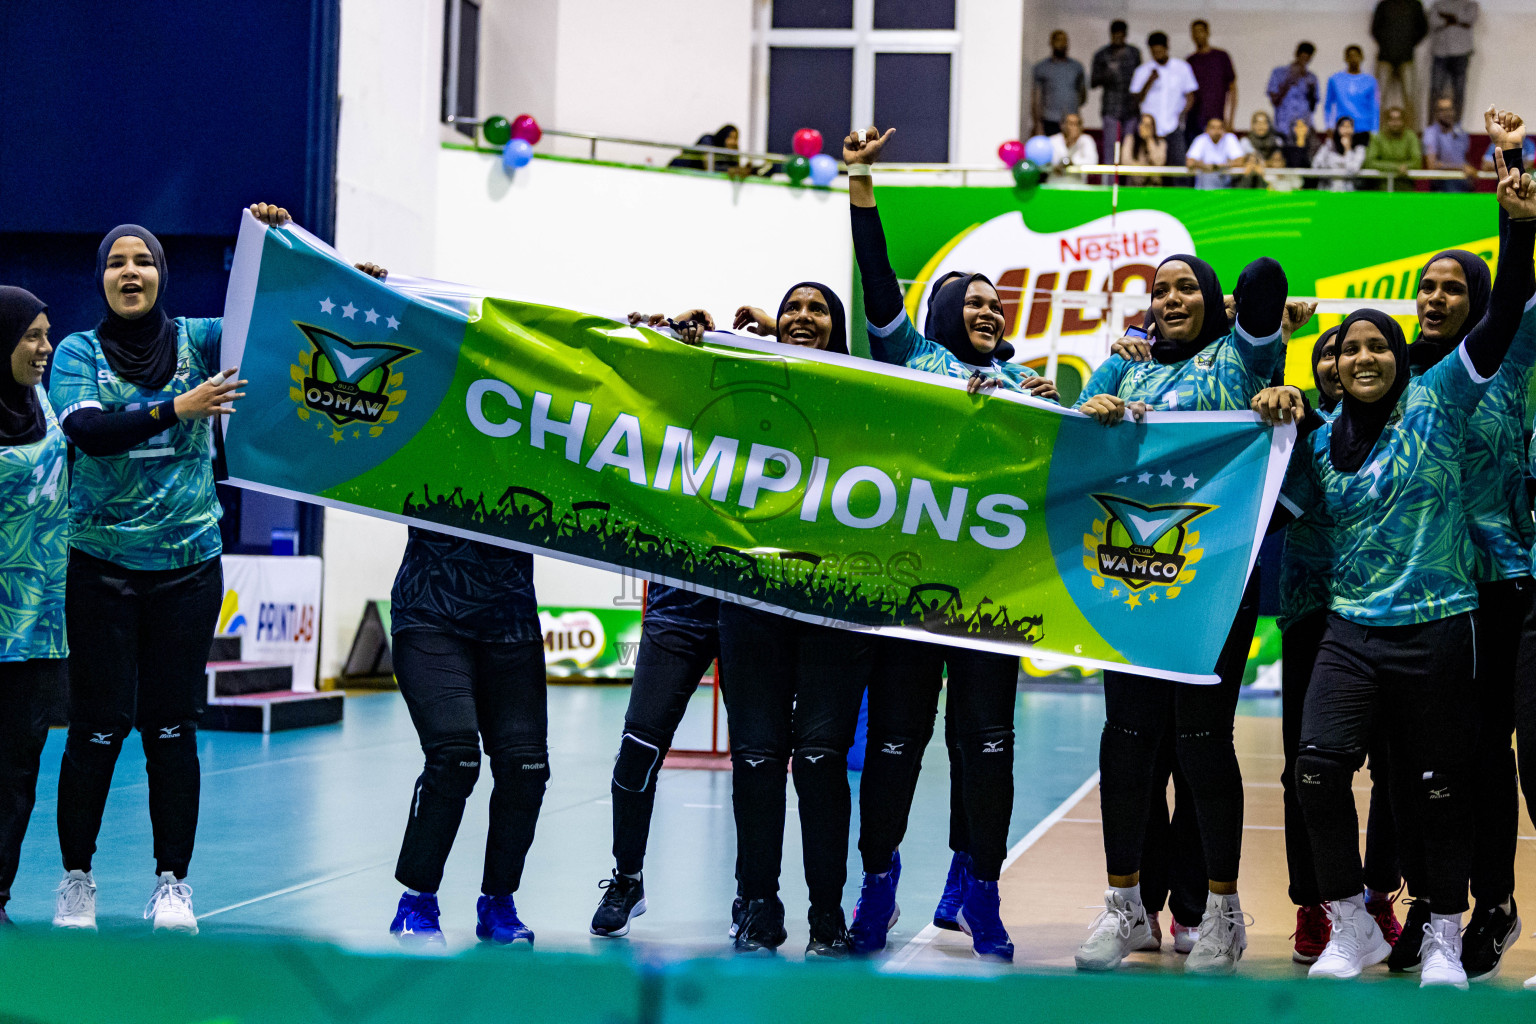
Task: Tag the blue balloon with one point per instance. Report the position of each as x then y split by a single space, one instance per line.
517 153
823 169
1038 151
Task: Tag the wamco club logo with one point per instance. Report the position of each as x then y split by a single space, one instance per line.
1143 551
353 386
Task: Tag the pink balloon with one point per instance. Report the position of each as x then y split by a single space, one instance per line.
1011 152
526 128
807 142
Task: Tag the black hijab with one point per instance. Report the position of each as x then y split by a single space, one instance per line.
1360 424
1423 354
838 341
141 350
719 137
1323 401
945 322
1212 327
21 415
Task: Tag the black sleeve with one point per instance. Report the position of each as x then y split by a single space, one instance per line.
112 433
882 292
1514 282
1260 295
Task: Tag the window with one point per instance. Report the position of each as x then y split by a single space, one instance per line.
834 64
461 60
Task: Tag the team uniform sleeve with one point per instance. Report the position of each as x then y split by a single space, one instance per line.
73 385
1104 381
897 342
206 336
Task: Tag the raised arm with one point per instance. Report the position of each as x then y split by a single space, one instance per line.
1514 279
882 292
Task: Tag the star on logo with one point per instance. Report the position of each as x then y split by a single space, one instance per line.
349 311
1122 479
371 316
326 305
1167 478
1190 481
1144 478
1134 601
394 324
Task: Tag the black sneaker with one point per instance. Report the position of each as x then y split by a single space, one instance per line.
738 907
1488 937
6 923
1405 954
762 927
622 903
829 935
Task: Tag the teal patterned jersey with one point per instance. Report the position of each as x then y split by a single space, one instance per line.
900 343
1493 470
153 506
1226 374
34 544
1402 555
1306 564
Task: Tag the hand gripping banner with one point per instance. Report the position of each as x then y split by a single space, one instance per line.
825 487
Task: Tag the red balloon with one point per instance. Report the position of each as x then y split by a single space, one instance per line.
526 128
807 142
1011 152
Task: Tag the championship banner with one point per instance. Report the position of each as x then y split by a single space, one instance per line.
828 488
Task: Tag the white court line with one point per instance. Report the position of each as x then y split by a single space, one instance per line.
295 888
923 939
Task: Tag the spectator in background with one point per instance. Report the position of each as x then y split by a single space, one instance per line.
1394 150
1445 148
1060 88
1113 67
1352 94
1293 88
1145 149
1217 92
1450 48
1165 88
1398 26
1214 152
1297 152
1341 152
1261 150
1071 147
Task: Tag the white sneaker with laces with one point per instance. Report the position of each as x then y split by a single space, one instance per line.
1223 935
76 905
1355 944
1118 931
1184 939
170 906
1440 955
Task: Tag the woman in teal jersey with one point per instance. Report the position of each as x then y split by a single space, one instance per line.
34 522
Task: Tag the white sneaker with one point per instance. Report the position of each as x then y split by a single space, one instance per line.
1355 944
76 905
1121 929
170 906
1223 935
1531 982
1184 939
1440 955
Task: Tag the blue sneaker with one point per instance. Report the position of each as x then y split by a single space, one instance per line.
876 912
980 918
496 921
416 920
954 893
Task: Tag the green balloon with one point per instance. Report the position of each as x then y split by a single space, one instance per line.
497 130
798 169
1026 175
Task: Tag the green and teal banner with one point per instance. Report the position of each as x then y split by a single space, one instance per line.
828 488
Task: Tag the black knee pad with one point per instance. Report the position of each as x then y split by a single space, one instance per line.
1318 772
638 762
901 748
452 771
990 744
813 760
94 749
168 742
1437 787
521 767
754 763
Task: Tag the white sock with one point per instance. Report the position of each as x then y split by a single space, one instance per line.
1358 900
634 877
1437 919
1232 900
413 892
1130 893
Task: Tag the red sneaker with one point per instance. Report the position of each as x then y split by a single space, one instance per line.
1384 910
1312 933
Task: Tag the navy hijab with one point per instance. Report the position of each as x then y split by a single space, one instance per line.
141 350
21 414
945 322
838 340
1214 326
1360 424
1323 401
1424 354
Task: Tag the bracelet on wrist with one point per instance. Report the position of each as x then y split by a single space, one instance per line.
859 171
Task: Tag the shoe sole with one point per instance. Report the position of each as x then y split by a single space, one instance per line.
639 909
175 929
1303 958
993 957
946 923
74 927
1509 940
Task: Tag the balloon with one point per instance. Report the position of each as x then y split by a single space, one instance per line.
497 130
798 169
526 128
1010 152
516 154
1038 151
823 169
1026 175
807 142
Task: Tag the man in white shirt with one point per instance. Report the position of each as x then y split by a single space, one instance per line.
1071 147
1213 151
1165 87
